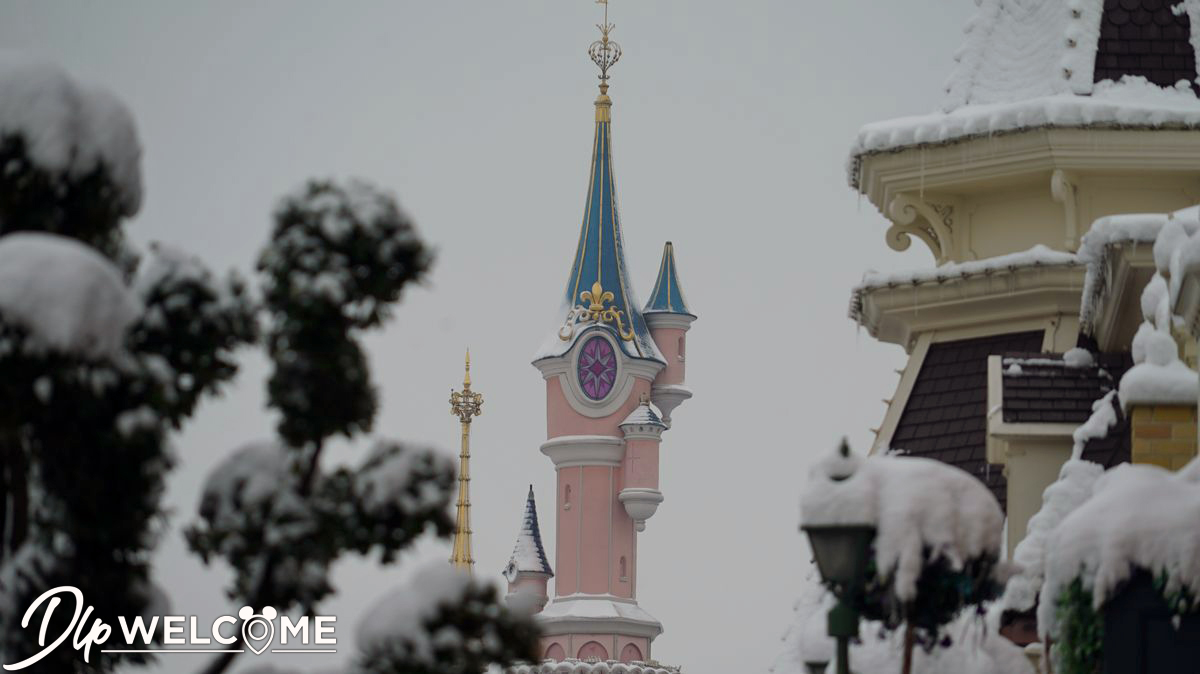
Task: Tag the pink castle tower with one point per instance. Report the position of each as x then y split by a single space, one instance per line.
604 365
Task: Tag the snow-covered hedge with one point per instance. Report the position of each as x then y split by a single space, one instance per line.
938 533
441 622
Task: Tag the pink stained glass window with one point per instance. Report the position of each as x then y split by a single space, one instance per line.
597 368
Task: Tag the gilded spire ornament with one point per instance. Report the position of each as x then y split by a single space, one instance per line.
604 52
465 405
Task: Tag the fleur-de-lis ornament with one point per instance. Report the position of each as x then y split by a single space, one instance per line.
594 311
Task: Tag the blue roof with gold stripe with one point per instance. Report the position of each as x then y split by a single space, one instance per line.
667 296
600 255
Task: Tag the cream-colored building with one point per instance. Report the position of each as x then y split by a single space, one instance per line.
1058 115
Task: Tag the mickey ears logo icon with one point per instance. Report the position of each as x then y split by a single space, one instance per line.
258 629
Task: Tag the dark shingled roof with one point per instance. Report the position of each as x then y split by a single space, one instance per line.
946 414
1046 390
1146 38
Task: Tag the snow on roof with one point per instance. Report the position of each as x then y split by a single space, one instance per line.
596 606
69 127
1105 539
1133 102
1037 256
914 503
1016 51
1109 231
1073 487
398 619
643 415
573 666
528 554
1158 376
68 297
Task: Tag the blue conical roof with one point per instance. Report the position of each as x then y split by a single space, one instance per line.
529 554
667 296
600 255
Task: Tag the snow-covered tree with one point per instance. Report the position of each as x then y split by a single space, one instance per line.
338 260
104 353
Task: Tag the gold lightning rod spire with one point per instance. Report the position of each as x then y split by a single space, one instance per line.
465 405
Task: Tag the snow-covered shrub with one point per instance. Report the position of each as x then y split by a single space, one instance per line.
91 384
339 257
937 543
1139 517
442 622
104 354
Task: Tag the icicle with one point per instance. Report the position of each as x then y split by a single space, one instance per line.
922 190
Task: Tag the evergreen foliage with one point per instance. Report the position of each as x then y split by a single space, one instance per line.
84 448
943 592
1081 647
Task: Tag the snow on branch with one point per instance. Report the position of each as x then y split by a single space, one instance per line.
1138 517
923 510
69 128
441 622
64 294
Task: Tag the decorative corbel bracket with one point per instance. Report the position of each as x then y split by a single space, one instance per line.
1064 190
931 222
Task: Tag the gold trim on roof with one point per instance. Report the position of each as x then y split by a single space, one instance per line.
595 312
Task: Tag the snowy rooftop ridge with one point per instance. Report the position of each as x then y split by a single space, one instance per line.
643 415
1132 103
1021 50
528 554
1038 256
1028 64
1114 230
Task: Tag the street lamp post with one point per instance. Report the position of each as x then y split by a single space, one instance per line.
842 553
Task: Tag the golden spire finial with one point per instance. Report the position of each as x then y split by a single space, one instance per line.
467 373
604 52
465 405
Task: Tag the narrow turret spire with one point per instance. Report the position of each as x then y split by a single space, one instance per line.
465 406
528 554
667 296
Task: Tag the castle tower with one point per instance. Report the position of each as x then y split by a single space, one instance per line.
669 319
465 405
528 570
603 364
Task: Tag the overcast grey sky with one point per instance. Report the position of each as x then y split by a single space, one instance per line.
731 126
